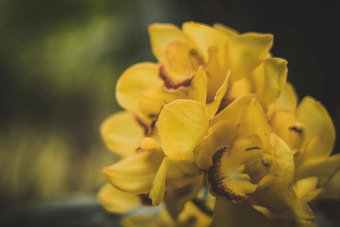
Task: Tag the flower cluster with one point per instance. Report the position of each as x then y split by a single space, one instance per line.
216 110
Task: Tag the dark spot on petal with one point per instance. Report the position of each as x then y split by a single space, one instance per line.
252 148
296 129
216 180
148 130
169 83
297 153
145 200
139 149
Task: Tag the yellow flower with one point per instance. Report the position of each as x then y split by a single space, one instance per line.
145 88
216 103
271 171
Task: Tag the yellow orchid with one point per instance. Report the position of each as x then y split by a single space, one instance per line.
145 88
153 168
217 104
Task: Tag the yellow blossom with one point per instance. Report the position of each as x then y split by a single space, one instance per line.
217 104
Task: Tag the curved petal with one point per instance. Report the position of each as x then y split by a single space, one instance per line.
180 65
316 121
283 123
215 104
175 199
287 100
227 175
233 111
245 52
283 158
226 30
283 204
135 81
228 214
181 125
332 188
237 89
323 169
205 36
149 144
222 133
136 173
254 121
216 73
116 201
152 101
269 78
161 35
158 185
304 187
122 133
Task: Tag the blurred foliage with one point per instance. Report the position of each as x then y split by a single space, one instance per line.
59 61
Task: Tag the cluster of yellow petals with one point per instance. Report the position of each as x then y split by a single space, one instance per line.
217 105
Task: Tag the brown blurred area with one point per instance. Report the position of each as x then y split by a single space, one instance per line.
60 60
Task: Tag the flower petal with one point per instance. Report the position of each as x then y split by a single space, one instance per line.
135 81
216 73
222 133
204 37
226 30
245 52
323 169
304 187
269 78
237 89
233 112
287 100
227 175
181 125
198 89
283 204
215 104
122 133
283 158
254 121
176 199
316 122
116 201
152 101
228 214
136 173
332 188
158 185
180 65
161 35
283 123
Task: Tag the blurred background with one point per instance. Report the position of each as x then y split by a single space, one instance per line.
60 60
